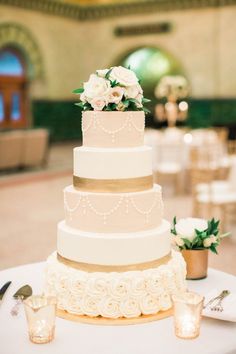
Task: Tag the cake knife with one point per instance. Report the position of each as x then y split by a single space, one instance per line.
21 294
3 290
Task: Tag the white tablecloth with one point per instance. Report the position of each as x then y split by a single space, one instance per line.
217 337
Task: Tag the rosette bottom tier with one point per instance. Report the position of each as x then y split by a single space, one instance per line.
115 294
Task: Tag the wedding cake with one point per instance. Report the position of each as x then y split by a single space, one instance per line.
113 256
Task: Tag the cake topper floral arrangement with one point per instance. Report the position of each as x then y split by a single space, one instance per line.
114 89
195 234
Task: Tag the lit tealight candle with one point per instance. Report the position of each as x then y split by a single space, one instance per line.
187 314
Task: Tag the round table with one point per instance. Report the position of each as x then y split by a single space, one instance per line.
217 337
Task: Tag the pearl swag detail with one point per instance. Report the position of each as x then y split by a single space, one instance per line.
86 203
96 122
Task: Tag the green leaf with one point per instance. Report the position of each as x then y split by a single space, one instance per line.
80 104
213 248
145 100
108 74
146 110
78 91
187 243
114 83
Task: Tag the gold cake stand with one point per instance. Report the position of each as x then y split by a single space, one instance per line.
114 322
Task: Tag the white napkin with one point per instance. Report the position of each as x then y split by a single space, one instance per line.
228 304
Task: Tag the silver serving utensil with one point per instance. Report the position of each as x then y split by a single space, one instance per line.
218 305
21 294
3 290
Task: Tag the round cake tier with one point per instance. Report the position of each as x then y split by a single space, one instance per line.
114 249
113 212
106 163
113 129
115 295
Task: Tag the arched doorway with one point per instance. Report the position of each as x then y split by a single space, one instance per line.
13 89
151 64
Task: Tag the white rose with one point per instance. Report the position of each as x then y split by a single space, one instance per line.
123 76
208 241
82 97
149 305
130 308
98 103
109 307
96 87
178 241
132 91
185 228
102 73
115 95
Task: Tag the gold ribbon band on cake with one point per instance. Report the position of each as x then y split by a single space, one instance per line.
90 268
113 185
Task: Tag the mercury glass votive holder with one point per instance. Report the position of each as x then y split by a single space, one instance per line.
40 312
187 314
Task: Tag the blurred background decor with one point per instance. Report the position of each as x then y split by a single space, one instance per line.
173 89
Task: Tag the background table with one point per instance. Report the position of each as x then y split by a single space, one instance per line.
217 337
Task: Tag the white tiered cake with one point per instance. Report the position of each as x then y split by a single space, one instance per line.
114 255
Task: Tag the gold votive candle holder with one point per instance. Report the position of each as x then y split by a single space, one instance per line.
40 313
187 314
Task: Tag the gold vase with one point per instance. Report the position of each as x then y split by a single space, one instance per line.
197 263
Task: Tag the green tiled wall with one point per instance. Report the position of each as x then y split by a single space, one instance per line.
63 118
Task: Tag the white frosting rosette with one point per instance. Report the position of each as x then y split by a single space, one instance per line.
138 286
109 307
89 305
169 280
119 287
77 285
165 302
113 295
154 283
97 286
130 308
72 305
149 305
62 284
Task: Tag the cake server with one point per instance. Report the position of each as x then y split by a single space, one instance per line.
3 290
21 294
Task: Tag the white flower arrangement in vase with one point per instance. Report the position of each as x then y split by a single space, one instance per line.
195 237
114 89
196 234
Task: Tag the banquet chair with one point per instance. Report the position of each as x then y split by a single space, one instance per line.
209 190
169 165
152 138
35 147
10 149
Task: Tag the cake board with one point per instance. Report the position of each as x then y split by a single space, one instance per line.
114 322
